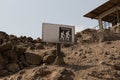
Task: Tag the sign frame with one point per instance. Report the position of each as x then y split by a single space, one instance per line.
51 33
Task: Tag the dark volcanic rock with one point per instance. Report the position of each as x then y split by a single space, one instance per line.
3 60
33 59
3 36
5 46
116 66
13 67
20 49
39 46
52 57
3 73
12 55
49 57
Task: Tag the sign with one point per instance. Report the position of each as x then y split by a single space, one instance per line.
58 33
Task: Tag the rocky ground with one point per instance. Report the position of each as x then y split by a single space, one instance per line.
95 56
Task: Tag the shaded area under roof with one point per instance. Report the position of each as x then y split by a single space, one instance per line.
104 7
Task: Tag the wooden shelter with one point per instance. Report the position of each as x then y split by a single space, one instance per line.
107 12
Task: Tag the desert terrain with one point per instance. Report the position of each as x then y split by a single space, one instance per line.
94 56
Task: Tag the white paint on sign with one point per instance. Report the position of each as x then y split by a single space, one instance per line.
58 33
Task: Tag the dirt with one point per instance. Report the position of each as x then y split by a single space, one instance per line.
96 56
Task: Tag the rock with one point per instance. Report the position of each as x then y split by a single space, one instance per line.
12 55
13 67
39 46
3 60
30 39
49 57
62 74
3 73
41 72
5 46
20 49
12 38
38 40
1 67
23 62
116 66
3 36
66 75
33 59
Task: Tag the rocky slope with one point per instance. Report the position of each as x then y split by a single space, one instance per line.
95 56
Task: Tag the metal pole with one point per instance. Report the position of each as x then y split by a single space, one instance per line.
58 49
59 58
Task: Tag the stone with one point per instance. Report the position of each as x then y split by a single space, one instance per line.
33 59
13 67
48 59
29 39
39 46
12 38
116 66
5 46
1 67
3 36
3 73
12 55
3 60
49 56
38 40
20 49
62 74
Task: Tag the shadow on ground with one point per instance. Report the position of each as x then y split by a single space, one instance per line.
79 67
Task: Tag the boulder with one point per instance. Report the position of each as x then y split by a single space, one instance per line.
39 46
3 36
1 67
13 67
3 60
40 72
30 39
20 49
3 73
33 59
12 38
23 62
38 40
62 74
12 55
49 57
6 46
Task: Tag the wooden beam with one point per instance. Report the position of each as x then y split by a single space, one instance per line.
113 9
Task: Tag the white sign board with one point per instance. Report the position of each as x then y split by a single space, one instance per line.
58 33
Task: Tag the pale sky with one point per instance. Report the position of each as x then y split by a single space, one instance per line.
25 17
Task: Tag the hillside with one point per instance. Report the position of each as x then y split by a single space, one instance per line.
94 56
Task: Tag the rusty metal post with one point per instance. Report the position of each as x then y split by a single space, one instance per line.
59 58
58 49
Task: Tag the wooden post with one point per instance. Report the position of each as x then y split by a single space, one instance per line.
59 59
118 19
100 24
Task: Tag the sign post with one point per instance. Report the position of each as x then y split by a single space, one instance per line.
58 49
59 59
59 34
